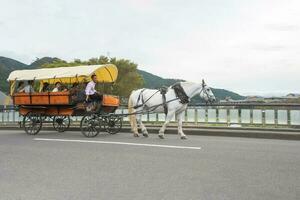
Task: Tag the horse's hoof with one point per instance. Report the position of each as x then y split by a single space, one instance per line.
183 137
161 136
136 135
145 135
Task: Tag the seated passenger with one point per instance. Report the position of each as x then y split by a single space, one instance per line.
21 87
45 87
74 89
74 92
29 87
59 88
91 92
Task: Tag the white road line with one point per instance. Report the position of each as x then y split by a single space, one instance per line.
120 143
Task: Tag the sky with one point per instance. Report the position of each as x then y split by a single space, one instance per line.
248 46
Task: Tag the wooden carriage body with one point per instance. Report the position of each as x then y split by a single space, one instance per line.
59 104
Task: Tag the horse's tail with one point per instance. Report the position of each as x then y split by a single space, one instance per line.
132 117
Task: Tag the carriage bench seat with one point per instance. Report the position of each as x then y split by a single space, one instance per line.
110 100
42 98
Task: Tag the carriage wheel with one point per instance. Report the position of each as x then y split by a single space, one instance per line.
113 124
32 123
90 125
61 123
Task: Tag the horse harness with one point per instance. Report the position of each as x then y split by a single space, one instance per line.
179 92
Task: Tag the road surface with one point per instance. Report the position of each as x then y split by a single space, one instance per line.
68 166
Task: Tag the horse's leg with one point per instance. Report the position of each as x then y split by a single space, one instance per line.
180 117
134 122
161 133
142 126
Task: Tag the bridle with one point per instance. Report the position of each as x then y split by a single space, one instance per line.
204 91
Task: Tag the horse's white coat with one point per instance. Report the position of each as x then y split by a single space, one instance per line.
153 98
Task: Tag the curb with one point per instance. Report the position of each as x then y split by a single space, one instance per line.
207 131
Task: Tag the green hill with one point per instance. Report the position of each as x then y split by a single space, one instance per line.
7 65
153 81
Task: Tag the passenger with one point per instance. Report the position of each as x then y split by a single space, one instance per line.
74 89
45 87
59 88
21 87
91 92
29 87
74 92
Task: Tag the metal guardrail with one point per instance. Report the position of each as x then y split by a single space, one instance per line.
270 115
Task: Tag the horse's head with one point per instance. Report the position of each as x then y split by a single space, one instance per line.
206 93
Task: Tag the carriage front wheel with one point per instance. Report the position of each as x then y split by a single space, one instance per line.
90 125
32 123
113 124
61 123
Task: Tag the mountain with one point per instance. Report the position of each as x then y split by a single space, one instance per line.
41 61
7 65
153 81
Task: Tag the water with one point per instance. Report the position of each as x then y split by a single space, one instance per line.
257 116
245 116
223 116
201 115
282 117
212 115
234 116
295 117
191 113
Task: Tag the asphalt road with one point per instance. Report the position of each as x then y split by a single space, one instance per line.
113 167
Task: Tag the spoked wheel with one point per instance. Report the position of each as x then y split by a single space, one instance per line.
61 123
113 124
90 125
32 123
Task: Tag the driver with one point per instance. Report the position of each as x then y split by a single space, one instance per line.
91 92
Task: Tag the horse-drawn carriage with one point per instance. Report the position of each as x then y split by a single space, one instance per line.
42 107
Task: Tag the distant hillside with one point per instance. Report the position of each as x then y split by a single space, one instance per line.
8 65
153 81
39 62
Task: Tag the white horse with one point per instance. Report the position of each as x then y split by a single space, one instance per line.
143 100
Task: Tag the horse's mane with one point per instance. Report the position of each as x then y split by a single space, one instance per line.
186 83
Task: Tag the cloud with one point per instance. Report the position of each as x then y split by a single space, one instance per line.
233 44
282 27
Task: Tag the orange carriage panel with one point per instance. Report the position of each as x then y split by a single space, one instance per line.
110 100
40 98
23 110
54 111
21 99
59 98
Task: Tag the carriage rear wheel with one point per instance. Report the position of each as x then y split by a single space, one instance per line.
113 124
61 123
32 123
90 125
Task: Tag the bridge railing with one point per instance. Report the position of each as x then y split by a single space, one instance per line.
260 115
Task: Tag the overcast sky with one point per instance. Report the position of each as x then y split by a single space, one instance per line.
248 46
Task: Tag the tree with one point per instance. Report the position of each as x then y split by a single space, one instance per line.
128 78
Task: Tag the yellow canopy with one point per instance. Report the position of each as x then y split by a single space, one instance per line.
105 73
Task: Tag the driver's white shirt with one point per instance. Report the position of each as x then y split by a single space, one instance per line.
90 88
